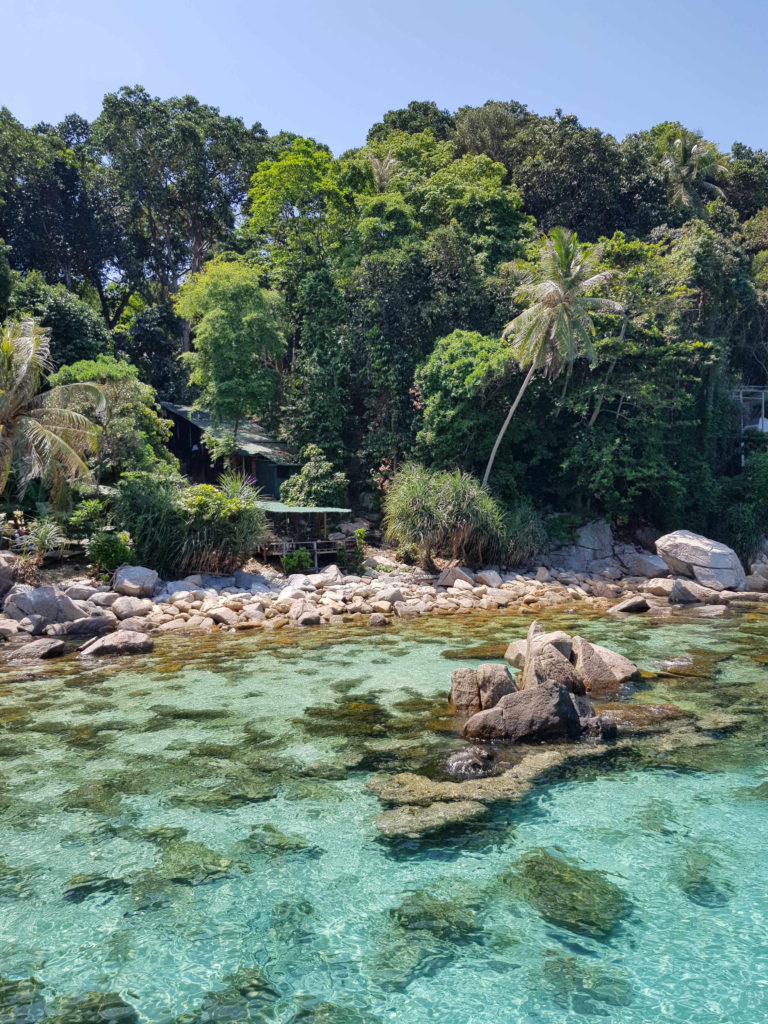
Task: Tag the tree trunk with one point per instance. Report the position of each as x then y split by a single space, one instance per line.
507 421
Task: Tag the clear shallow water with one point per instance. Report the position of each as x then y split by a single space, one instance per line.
173 827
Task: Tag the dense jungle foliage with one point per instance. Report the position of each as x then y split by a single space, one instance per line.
357 303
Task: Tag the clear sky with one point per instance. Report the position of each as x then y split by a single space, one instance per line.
330 69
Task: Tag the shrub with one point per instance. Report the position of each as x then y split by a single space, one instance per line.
352 559
43 536
316 483
444 513
88 517
526 533
296 561
177 529
107 551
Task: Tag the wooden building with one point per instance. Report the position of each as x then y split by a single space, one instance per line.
267 461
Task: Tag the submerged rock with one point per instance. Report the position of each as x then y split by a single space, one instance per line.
471 763
322 1012
408 821
566 894
81 887
92 1008
583 988
696 874
21 1000
248 995
272 842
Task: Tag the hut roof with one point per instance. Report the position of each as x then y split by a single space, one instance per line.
251 437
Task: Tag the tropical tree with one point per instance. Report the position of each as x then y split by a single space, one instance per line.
693 168
40 433
557 327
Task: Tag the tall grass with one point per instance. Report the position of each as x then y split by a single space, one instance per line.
444 513
178 529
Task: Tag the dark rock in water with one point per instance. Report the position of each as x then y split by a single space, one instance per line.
15 884
21 1000
92 1008
161 834
80 887
545 663
565 894
270 841
313 1012
759 792
247 996
583 988
471 763
228 795
292 920
545 712
420 911
697 876
413 821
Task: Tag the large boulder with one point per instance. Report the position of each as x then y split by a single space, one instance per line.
709 562
515 653
40 649
131 607
121 642
135 581
488 578
478 689
545 712
602 669
544 663
641 563
50 603
449 576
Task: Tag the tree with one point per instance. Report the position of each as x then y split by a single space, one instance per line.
552 332
418 116
694 169
237 341
130 433
41 435
316 483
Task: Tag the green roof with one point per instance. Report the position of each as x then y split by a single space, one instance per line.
251 437
300 510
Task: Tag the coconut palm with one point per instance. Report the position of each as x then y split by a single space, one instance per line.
40 434
693 168
557 326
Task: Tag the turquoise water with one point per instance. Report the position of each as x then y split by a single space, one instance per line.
192 835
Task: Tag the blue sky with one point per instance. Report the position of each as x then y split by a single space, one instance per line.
331 69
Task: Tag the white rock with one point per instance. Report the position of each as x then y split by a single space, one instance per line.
135 581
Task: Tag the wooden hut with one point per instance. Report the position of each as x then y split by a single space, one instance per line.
295 527
267 461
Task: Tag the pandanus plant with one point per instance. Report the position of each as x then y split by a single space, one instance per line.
41 435
556 328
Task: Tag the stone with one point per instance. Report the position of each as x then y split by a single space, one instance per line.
88 625
309 618
711 563
223 616
123 641
632 606
544 662
252 581
412 822
479 689
136 581
501 597
686 591
642 563
471 763
32 624
6 577
603 670
49 602
377 619
449 576
659 586
79 592
40 649
8 628
488 578
131 607
105 599
757 583
543 712
390 594
136 625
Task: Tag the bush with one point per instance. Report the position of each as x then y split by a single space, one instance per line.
296 561
178 529
526 533
444 513
316 483
89 516
107 551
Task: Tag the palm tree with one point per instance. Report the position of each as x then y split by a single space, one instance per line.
693 168
39 431
557 326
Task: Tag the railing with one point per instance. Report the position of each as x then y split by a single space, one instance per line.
278 547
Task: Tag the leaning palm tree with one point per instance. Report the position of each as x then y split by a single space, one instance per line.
40 434
694 169
557 326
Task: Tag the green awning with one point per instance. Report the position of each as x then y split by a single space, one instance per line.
301 510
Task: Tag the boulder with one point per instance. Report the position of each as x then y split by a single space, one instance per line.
88 625
49 602
471 763
224 616
136 625
377 619
6 576
709 562
40 649
500 597
642 563
390 594
659 586
478 689
602 670
689 592
105 599
757 583
411 822
544 663
131 607
123 641
135 581
544 712
252 581
488 578
448 576
79 592
515 653
632 606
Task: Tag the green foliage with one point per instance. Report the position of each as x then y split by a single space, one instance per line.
352 559
180 529
237 340
444 513
107 551
44 536
298 560
526 532
88 517
131 433
6 281
316 483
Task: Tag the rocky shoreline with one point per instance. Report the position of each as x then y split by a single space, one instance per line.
691 575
